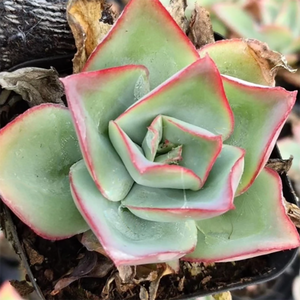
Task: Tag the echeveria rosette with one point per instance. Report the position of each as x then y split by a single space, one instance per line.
167 143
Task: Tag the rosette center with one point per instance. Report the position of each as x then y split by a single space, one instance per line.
173 154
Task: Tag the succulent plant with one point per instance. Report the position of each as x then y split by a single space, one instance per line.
158 153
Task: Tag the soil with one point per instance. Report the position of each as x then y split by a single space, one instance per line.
50 261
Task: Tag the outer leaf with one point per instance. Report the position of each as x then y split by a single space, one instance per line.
216 197
126 238
131 42
259 114
37 150
194 95
241 59
94 99
258 225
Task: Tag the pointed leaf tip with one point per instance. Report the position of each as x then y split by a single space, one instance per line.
162 56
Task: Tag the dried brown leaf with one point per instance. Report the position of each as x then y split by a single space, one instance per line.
85 265
90 241
106 290
163 270
34 257
280 165
293 211
126 273
269 61
91 265
34 85
146 273
84 20
200 30
176 8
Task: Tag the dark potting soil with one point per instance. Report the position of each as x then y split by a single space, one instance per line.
51 261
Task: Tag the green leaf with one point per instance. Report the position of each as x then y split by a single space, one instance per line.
94 99
145 34
194 95
126 238
191 173
37 150
257 226
259 114
215 198
238 58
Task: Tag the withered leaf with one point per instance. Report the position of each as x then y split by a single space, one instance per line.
90 241
84 20
126 273
176 8
200 30
86 264
34 257
269 61
163 270
280 165
293 211
91 265
34 85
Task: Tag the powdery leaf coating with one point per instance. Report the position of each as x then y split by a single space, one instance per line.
94 99
135 241
131 42
37 150
194 95
258 225
259 114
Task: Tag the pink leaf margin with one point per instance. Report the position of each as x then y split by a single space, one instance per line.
157 6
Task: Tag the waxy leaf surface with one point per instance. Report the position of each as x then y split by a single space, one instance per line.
191 173
194 95
215 198
238 58
94 99
258 225
131 42
259 114
126 238
37 150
